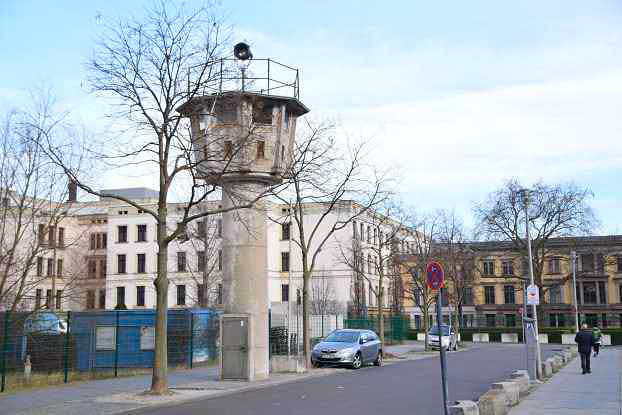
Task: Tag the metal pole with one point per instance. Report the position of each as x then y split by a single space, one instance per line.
269 92
442 351
66 357
116 347
5 339
289 269
533 307
524 324
574 289
191 339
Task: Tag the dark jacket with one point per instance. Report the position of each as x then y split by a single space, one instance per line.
585 340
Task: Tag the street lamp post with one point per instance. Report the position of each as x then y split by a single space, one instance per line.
574 288
525 197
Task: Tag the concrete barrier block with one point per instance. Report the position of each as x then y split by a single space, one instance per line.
421 337
605 340
522 380
568 339
509 338
480 338
547 369
464 408
543 338
493 402
511 390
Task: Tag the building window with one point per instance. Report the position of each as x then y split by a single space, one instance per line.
507 267
201 261
489 294
620 296
508 294
554 266
362 233
102 299
600 263
120 298
510 320
201 295
467 296
181 261
121 264
59 296
122 234
50 267
219 228
59 268
261 149
61 237
602 292
52 235
354 231
92 268
228 151
219 260
219 299
262 113
491 320
555 295
181 295
102 268
284 261
285 231
368 239
589 293
39 266
525 266
375 236
140 295
41 235
557 320
142 233
141 263
38 294
90 299
104 240
284 292
587 262
489 268
202 229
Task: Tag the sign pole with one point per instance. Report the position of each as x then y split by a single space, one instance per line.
439 304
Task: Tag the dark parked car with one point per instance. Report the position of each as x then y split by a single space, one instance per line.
353 348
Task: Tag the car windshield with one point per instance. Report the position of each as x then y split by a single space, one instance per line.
434 331
342 337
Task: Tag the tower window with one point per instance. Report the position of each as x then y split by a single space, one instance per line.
261 147
262 113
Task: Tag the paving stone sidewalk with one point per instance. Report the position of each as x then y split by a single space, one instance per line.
571 393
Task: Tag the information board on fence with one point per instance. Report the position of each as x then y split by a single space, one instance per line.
105 338
147 337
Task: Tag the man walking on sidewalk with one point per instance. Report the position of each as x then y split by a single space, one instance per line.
585 341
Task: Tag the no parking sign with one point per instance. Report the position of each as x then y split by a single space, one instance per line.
435 275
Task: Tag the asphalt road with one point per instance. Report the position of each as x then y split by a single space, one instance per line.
408 387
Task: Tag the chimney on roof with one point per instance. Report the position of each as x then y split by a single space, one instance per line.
73 191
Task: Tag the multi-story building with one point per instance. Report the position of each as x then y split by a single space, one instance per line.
494 295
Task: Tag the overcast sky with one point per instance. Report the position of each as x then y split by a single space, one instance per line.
462 96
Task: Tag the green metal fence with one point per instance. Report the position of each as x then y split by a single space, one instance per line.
395 328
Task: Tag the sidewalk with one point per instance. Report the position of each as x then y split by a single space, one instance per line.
571 393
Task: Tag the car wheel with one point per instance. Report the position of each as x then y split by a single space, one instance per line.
357 362
378 361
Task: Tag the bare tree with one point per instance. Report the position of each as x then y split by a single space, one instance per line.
457 258
149 69
34 214
425 233
372 256
330 186
557 210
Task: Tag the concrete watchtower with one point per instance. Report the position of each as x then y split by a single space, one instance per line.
243 141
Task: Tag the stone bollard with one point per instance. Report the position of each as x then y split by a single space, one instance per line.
27 369
547 369
522 379
464 408
511 390
567 356
493 402
558 363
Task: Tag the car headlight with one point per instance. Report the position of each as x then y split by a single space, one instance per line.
346 352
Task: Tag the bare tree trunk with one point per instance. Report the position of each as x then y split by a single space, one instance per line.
159 381
306 310
380 311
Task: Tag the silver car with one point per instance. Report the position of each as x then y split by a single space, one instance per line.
448 340
349 347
